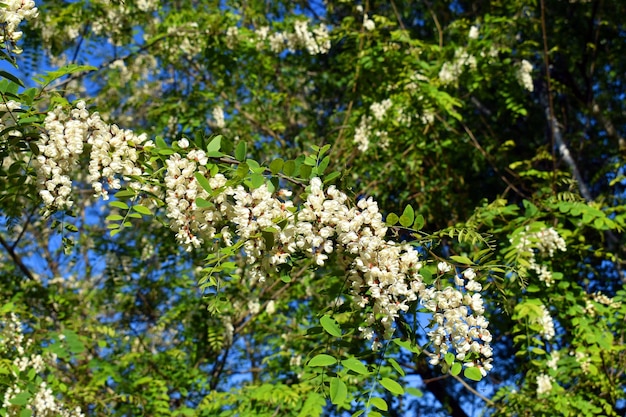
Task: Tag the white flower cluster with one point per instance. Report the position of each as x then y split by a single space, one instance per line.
600 298
458 315
11 15
583 359
113 155
232 36
383 276
218 117
451 71
544 384
524 78
362 134
379 110
368 23
316 41
60 148
473 33
43 403
7 117
365 131
552 363
547 324
189 220
546 242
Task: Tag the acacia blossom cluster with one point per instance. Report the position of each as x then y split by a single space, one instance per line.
366 129
544 384
7 117
113 156
316 41
547 324
451 71
473 33
524 76
218 117
544 242
43 402
383 276
458 314
11 15
599 298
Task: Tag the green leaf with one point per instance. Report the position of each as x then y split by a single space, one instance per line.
464 260
330 325
310 161
125 194
143 380
456 369
215 144
21 398
73 343
45 79
241 151
160 142
276 166
379 403
142 210
392 219
396 366
323 165
392 386
204 183
257 180
119 205
408 216
313 406
411 347
26 412
419 222
473 373
322 360
11 77
202 203
355 365
330 177
306 171
414 392
289 168
338 391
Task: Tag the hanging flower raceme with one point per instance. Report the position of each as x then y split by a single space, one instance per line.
113 157
383 276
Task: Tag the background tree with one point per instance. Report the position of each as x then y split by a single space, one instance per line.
493 131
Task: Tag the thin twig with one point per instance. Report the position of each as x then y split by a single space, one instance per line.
473 391
16 259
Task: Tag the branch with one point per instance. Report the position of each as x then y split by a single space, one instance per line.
473 391
16 258
546 100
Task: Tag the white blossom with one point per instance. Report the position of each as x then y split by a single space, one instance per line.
11 15
524 76
368 23
362 134
546 323
545 243
544 384
218 117
473 33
